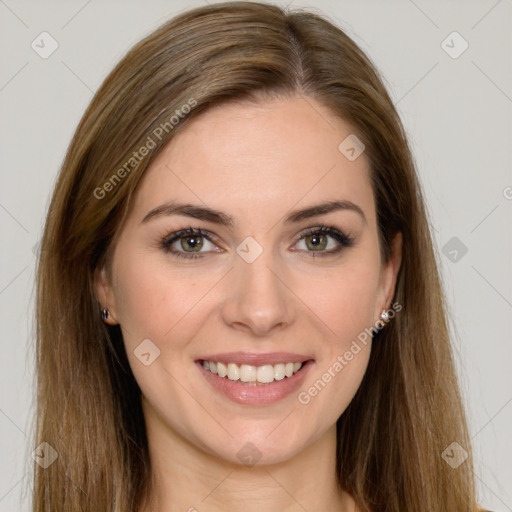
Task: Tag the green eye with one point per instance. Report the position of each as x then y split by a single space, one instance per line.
192 240
317 239
189 239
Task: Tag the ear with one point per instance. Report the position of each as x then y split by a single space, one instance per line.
389 273
105 294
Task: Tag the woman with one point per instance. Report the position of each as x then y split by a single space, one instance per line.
238 305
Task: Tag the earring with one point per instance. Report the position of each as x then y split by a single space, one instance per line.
384 317
104 314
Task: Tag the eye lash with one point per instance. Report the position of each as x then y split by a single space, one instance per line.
343 239
170 239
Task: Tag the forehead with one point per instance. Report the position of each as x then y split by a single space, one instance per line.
240 157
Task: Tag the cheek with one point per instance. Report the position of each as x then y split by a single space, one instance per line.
344 299
346 304
150 301
139 300
161 305
165 304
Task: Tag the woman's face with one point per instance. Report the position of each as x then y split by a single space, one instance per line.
254 293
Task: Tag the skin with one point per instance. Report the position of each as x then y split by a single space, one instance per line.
256 162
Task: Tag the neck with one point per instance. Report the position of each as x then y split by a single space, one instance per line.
188 479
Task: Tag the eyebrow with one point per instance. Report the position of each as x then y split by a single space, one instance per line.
223 219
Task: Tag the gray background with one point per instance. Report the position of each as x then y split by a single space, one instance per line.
457 112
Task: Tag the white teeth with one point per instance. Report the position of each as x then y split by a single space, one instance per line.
279 371
233 371
222 369
265 373
247 373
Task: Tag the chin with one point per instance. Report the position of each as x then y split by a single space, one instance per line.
262 446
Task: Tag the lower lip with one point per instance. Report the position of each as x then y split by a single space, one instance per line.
261 394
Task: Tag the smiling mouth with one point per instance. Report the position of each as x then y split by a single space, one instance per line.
253 375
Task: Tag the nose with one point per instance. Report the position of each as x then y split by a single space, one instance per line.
258 299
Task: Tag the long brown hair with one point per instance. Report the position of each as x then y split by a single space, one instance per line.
408 409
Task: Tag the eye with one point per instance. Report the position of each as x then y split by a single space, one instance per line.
316 240
193 239
188 243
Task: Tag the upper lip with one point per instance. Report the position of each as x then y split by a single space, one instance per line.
253 359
